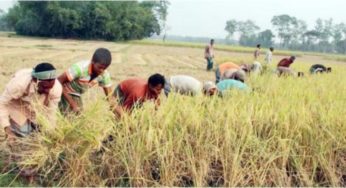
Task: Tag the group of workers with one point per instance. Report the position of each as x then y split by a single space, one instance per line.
41 90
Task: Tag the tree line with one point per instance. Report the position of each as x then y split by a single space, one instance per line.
292 33
108 20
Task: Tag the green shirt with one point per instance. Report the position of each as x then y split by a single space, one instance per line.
79 75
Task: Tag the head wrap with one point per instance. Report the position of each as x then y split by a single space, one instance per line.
44 75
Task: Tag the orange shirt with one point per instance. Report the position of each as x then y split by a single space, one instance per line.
136 91
225 66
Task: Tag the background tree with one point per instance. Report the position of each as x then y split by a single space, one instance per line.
285 25
109 20
265 38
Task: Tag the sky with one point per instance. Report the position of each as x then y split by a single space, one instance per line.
207 18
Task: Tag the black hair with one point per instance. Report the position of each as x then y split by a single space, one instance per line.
44 67
258 45
102 56
271 49
212 40
156 79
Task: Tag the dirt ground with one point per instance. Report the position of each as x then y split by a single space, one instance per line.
129 60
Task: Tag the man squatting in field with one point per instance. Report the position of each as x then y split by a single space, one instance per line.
28 93
283 67
222 68
184 85
83 75
134 92
209 55
234 79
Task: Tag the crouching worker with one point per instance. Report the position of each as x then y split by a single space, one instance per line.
183 84
220 70
82 76
283 67
318 68
234 74
134 92
236 81
29 92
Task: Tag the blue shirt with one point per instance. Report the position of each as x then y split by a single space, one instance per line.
229 84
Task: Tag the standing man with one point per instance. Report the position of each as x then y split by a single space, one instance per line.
269 56
209 55
257 51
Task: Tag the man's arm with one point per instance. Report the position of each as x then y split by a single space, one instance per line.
108 92
63 79
13 90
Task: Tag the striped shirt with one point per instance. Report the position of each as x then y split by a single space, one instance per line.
79 75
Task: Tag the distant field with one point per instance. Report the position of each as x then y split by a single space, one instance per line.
287 132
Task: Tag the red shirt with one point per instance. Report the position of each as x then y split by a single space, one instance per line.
135 90
286 62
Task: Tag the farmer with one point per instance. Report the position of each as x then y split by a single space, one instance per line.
134 92
235 82
283 66
83 75
257 51
29 92
235 74
255 67
209 55
220 70
230 84
183 84
269 56
318 68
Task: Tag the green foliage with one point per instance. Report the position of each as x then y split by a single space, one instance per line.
86 19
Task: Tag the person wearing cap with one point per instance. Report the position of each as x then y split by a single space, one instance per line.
209 54
283 66
220 70
318 68
29 91
82 76
183 84
134 92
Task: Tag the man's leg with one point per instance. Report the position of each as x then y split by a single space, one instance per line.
217 75
209 63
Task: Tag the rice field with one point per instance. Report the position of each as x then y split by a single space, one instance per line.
287 132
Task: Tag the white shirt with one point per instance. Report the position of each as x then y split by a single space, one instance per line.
185 84
268 57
